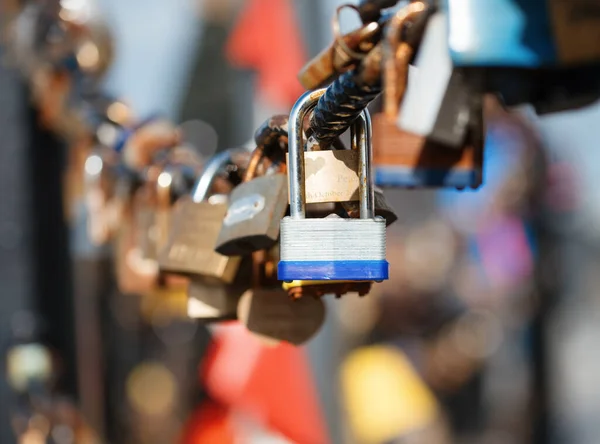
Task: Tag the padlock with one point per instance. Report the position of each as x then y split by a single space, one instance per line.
342 55
271 315
267 311
100 194
135 275
211 301
196 223
330 248
144 233
406 159
255 209
140 144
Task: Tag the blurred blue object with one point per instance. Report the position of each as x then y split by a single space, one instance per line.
514 33
502 154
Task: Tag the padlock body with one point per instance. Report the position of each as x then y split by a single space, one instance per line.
402 159
252 219
212 302
331 176
190 248
273 315
382 208
333 249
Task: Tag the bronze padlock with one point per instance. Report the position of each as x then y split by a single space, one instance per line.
270 314
404 159
197 221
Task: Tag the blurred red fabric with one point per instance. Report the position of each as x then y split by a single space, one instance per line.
272 384
267 38
209 424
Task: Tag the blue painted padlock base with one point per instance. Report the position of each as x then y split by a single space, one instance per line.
399 176
333 270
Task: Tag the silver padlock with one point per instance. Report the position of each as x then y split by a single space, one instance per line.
330 248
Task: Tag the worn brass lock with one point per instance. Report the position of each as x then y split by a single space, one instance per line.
255 209
270 314
196 225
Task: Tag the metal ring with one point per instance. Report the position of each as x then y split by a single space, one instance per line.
338 37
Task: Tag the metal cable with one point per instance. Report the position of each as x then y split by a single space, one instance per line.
347 97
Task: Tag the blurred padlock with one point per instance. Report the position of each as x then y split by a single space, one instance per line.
212 301
140 144
196 225
100 198
141 235
343 54
408 159
255 209
272 315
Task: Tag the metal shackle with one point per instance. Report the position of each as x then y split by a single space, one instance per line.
210 171
361 138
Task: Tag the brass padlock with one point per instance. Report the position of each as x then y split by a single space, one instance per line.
272 315
405 159
211 300
142 234
267 311
255 209
196 223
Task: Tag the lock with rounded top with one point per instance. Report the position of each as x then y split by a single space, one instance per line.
255 208
330 248
197 221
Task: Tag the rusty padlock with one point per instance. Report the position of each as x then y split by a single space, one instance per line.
405 159
343 54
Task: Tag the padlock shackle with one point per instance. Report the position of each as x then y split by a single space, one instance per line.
397 56
361 137
255 159
209 173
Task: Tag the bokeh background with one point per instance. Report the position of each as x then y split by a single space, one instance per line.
486 333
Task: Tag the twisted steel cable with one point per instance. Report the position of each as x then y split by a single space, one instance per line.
346 98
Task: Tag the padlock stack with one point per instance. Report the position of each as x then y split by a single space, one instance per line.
217 238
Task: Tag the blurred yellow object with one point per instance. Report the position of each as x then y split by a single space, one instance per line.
384 396
26 363
162 305
151 389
